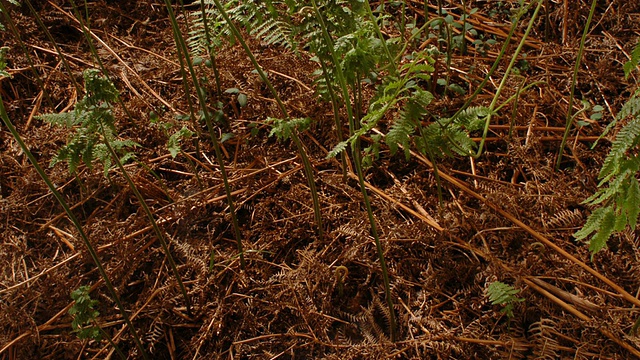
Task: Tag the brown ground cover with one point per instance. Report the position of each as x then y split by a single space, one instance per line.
507 216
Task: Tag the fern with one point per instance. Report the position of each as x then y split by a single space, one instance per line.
95 125
503 294
633 62
620 199
173 144
626 139
84 314
3 61
283 129
261 19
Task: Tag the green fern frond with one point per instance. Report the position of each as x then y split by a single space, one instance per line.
67 119
3 59
340 147
95 125
631 201
399 134
459 142
626 139
473 118
404 127
261 19
630 108
615 187
173 144
606 228
503 294
283 129
593 222
633 62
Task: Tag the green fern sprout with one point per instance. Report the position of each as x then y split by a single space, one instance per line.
503 294
84 323
91 115
3 62
283 129
84 314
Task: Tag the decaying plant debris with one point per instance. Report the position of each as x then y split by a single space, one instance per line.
295 299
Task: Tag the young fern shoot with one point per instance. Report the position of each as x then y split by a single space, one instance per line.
95 138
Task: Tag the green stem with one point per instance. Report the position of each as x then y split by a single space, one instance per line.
374 21
505 77
26 52
85 239
358 164
147 211
574 80
301 150
336 116
180 43
210 48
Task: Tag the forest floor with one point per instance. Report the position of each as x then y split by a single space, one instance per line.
506 216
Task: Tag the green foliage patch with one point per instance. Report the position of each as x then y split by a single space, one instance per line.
94 122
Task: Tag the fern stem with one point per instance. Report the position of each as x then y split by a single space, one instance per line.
87 34
574 80
65 63
463 41
376 237
187 92
180 43
505 77
26 52
134 189
308 169
374 21
494 67
207 37
358 165
85 239
336 117
147 211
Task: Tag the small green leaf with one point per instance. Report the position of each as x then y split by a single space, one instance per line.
457 89
197 61
242 100
225 137
173 144
232 91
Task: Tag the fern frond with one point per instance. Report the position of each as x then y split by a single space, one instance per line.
399 134
607 226
173 144
340 147
631 201
593 222
633 62
67 119
473 118
283 128
260 19
626 139
615 187
500 293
